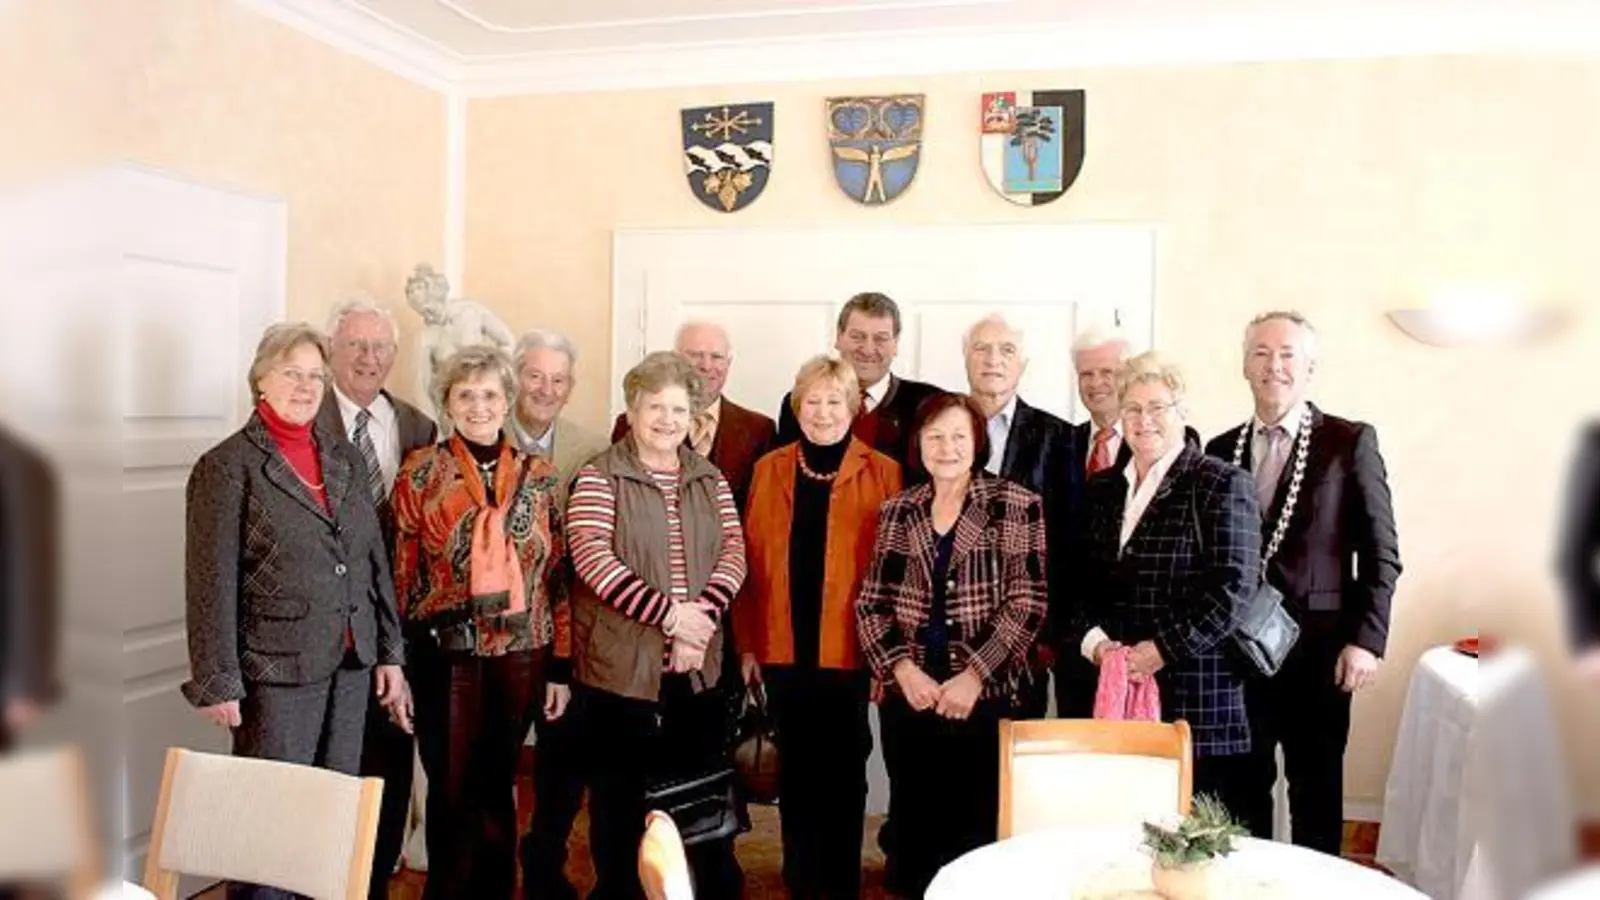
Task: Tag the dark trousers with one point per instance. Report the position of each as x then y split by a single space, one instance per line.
557 797
1227 778
318 724
387 753
1305 711
946 776
630 744
1035 700
1076 680
472 718
825 740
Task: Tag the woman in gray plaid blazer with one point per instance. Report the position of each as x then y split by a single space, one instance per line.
290 606
949 609
1167 561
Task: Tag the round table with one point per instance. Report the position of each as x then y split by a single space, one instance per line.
1108 863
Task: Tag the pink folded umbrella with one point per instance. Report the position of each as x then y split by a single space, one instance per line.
1118 698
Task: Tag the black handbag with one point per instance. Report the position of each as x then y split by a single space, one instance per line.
1266 632
755 753
702 806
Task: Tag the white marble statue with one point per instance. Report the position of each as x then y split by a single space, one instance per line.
448 325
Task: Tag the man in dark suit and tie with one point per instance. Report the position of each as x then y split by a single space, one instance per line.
381 429
1578 560
1328 535
1029 447
868 337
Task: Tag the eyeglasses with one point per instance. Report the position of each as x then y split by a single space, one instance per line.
300 376
1134 412
379 349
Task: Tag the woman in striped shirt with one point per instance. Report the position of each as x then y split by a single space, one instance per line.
659 554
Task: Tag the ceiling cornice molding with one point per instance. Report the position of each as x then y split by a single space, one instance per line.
361 33
1199 39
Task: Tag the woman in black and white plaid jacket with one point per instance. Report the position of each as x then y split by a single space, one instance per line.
950 607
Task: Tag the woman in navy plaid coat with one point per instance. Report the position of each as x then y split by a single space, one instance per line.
1168 560
950 607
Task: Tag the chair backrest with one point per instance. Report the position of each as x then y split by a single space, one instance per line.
663 867
47 833
1058 773
293 827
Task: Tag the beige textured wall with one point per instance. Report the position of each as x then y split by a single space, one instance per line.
1341 188
210 91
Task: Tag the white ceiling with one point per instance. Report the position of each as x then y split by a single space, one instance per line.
500 46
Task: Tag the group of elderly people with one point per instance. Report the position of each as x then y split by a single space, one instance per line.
896 548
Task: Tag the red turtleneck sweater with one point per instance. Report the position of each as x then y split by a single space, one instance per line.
298 448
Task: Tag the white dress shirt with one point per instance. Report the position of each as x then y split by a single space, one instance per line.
999 426
1258 434
1140 493
384 430
876 393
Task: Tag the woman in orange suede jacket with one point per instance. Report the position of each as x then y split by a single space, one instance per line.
810 523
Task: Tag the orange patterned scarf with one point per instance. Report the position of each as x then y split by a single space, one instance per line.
494 570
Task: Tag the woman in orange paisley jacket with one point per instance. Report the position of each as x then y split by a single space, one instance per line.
480 579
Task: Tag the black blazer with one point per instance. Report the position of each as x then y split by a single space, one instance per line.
1578 560
274 581
1340 558
29 521
416 430
893 437
1038 456
1183 581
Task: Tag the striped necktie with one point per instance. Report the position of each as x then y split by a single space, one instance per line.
369 455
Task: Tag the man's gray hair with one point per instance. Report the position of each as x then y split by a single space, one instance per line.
995 318
1097 336
1284 315
677 336
544 339
360 305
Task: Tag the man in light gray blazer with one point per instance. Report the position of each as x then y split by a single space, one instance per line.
377 427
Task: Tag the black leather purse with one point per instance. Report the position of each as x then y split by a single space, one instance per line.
1266 632
702 806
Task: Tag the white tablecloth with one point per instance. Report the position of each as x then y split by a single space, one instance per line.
1084 863
1477 803
1583 885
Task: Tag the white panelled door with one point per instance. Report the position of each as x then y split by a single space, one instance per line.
778 292
148 294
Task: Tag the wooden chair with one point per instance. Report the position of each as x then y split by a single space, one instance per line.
1076 772
298 828
663 867
47 830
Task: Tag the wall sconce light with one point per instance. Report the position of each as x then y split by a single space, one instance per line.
1462 317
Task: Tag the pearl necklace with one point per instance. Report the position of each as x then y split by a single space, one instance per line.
1302 446
812 473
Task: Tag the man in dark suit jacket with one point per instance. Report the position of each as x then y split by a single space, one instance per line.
28 579
1328 527
376 427
1578 561
1032 448
868 337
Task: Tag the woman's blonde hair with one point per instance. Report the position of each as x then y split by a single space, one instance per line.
470 362
1150 368
659 371
279 341
824 368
